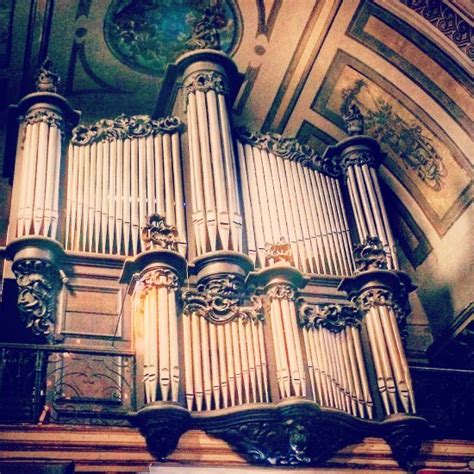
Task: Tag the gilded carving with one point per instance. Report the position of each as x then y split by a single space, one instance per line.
122 127
279 254
333 317
156 234
38 283
218 300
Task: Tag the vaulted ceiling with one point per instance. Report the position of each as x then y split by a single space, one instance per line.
408 63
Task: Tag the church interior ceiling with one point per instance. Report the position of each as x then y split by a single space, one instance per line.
406 63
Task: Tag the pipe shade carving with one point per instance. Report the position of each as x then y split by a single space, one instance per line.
37 269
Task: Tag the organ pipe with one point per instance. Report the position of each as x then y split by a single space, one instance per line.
120 171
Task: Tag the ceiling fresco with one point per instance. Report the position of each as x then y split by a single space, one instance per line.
407 63
148 35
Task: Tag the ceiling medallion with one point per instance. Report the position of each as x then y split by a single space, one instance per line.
148 35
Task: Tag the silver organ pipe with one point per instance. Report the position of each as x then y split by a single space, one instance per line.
287 196
216 214
39 163
121 171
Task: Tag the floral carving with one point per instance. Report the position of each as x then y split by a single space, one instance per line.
405 139
157 278
370 255
206 31
279 253
205 81
47 116
281 292
122 127
38 283
156 234
333 317
47 80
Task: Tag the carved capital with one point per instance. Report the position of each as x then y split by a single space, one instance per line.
207 80
357 158
281 291
123 127
49 117
333 317
46 79
370 255
38 282
157 278
157 235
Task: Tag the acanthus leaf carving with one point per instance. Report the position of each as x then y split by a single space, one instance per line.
281 291
333 317
219 301
38 282
204 81
123 127
49 117
370 255
157 234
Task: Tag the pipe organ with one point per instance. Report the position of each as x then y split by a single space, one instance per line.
230 240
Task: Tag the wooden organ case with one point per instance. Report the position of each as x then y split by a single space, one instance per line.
219 279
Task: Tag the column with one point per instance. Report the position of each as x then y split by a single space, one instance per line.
44 118
280 283
358 158
208 77
381 296
155 278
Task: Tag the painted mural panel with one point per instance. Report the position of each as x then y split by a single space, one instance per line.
424 161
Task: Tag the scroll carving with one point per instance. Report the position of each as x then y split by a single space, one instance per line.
38 282
370 255
157 234
334 317
279 254
281 292
218 300
123 127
